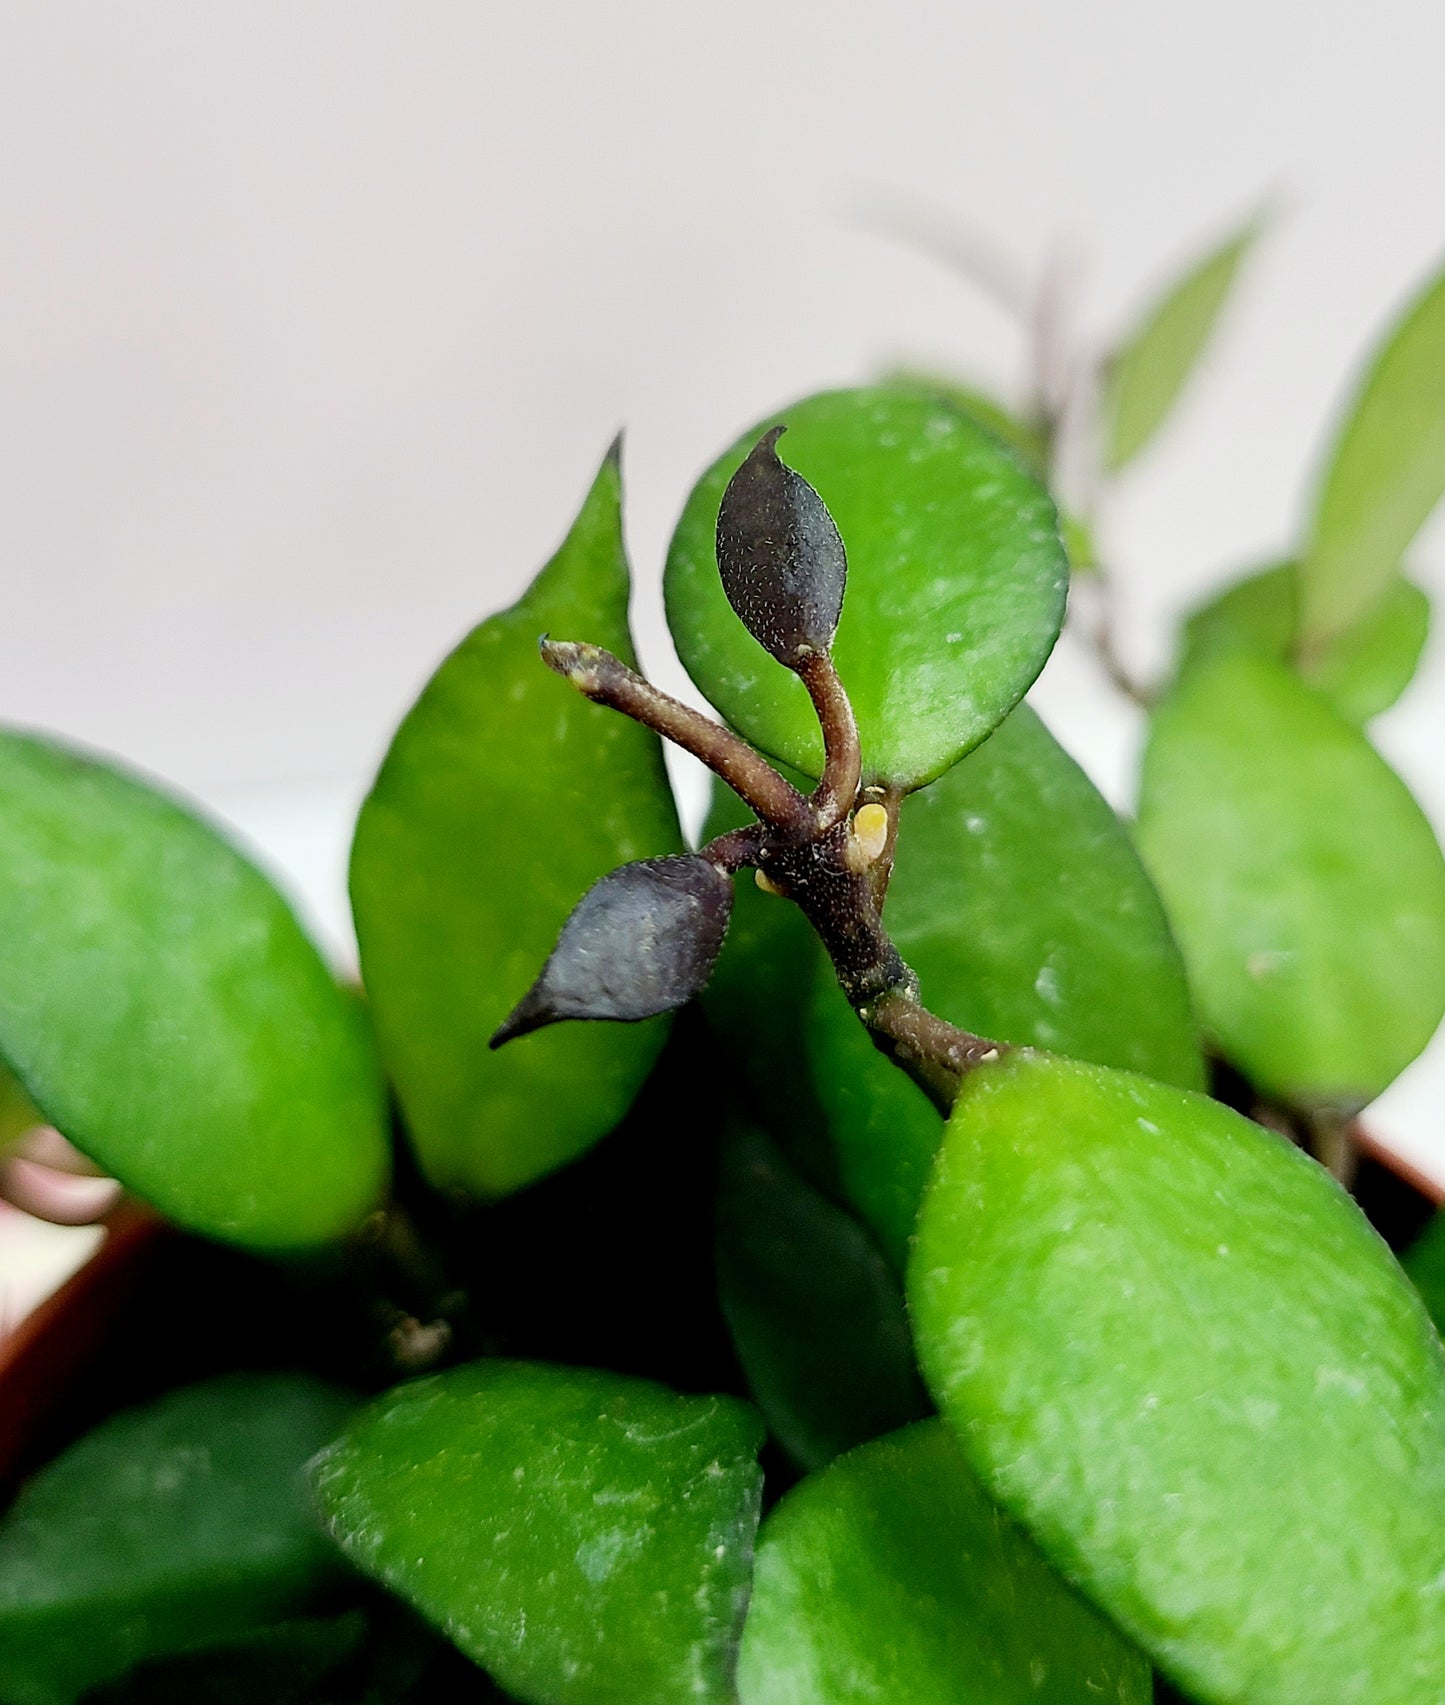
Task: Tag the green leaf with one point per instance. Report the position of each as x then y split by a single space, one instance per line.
892 1576
1361 672
504 797
1386 474
956 584
1019 900
170 1528
815 1312
1147 373
1176 1352
584 1537
1304 883
162 1007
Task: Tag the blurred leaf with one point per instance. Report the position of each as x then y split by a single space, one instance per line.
1361 672
1019 900
1305 884
1365 669
168 1529
1176 1352
1424 1261
956 585
162 1007
584 1537
1386 473
18 1113
1148 372
815 1311
280 1665
891 1576
504 797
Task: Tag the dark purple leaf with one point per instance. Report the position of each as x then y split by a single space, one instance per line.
781 560
641 941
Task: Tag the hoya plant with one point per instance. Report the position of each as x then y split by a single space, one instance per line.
896 1248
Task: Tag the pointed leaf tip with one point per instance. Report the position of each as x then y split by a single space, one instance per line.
642 941
780 557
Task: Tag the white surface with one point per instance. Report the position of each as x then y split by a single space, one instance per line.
315 319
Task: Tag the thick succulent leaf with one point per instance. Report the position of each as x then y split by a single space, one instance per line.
892 1576
162 1007
1176 1352
780 560
1019 900
1025 438
584 1537
504 796
641 941
815 1311
168 1529
1385 475
1303 881
1145 377
1361 672
956 584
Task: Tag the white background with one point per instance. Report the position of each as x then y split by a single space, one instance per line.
316 317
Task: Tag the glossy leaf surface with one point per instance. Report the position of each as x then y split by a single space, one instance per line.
892 1576
815 1311
1176 1352
1146 376
956 584
504 796
1385 474
1019 900
584 1537
1303 881
640 942
161 1005
1361 672
780 560
169 1528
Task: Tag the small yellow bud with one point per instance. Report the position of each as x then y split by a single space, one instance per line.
869 836
767 884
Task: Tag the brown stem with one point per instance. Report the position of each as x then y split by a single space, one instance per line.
606 680
937 1055
736 850
801 848
837 789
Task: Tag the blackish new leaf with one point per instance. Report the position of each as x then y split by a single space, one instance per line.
780 557
641 941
